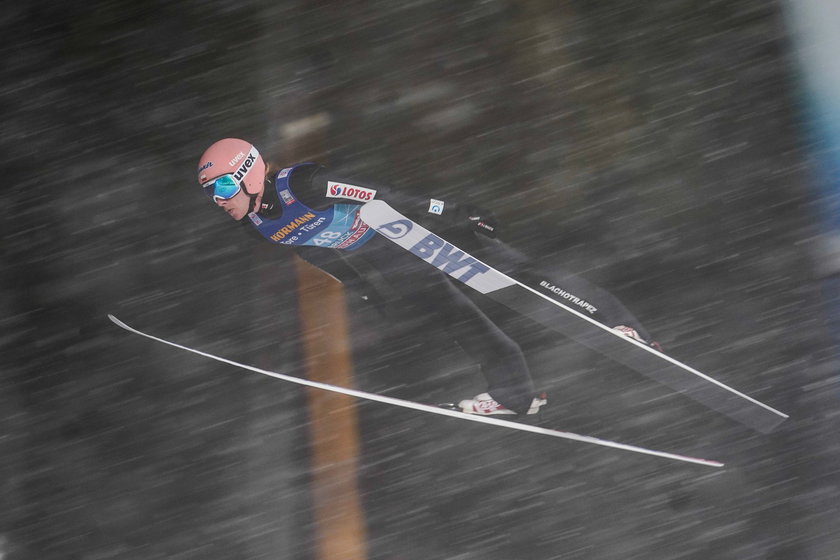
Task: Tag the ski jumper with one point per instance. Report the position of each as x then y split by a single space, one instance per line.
334 239
318 216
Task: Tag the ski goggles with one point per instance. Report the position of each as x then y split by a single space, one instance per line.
222 188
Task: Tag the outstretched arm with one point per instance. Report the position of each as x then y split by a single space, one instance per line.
318 188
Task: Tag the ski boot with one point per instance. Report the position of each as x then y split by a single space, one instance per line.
485 405
633 333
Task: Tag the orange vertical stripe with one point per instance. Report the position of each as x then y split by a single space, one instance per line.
337 505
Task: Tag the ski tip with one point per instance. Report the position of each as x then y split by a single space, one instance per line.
118 322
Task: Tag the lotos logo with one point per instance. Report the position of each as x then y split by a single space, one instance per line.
342 190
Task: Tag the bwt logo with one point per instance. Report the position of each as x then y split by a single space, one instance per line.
395 230
448 258
435 250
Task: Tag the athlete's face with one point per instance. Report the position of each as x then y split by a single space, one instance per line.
237 206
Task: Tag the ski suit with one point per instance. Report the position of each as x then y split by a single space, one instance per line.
317 214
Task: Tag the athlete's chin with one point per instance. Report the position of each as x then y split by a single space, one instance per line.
235 214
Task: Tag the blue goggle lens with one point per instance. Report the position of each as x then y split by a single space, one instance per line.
222 188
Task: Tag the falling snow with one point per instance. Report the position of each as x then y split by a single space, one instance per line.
655 148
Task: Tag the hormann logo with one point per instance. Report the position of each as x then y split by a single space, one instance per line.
342 190
245 167
571 298
291 226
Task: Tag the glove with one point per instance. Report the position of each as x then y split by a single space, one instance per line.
477 220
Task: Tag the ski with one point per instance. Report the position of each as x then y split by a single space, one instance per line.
427 408
568 321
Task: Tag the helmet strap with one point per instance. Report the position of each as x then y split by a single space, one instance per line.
256 201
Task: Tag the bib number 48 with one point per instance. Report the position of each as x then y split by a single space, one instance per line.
326 238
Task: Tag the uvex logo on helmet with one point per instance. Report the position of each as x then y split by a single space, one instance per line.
341 190
236 158
246 166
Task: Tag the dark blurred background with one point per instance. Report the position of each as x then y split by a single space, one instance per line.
655 148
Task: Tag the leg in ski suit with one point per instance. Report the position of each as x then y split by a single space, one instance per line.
428 292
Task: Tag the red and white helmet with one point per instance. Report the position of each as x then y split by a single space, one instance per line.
232 156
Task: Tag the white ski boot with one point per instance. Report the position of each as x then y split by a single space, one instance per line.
630 332
485 405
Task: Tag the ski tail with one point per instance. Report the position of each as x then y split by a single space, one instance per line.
568 321
427 408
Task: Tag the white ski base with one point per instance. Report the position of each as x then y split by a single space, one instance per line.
428 408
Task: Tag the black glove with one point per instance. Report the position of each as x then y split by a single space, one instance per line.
477 219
